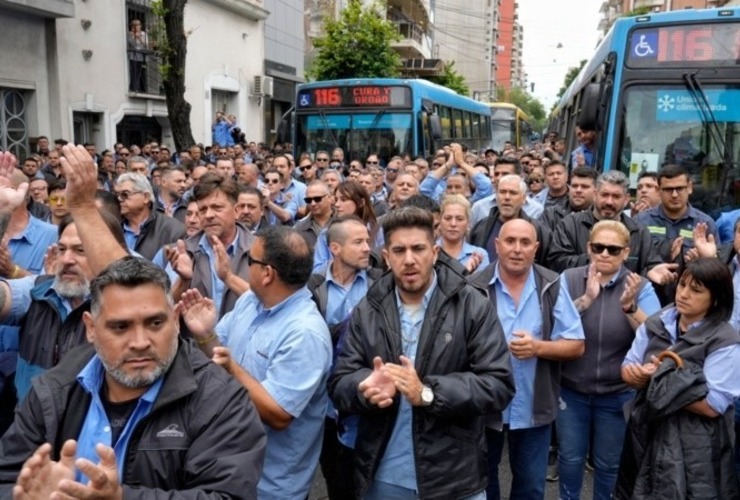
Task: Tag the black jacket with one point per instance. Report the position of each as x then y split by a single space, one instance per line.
671 452
481 233
462 356
213 448
158 231
572 234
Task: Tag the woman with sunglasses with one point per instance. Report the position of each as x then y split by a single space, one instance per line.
350 198
679 442
454 223
613 302
280 207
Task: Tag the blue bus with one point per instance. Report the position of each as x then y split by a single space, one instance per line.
664 88
387 117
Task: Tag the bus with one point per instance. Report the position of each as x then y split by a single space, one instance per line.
509 124
664 88
387 117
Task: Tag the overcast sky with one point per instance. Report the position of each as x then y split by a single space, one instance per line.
548 23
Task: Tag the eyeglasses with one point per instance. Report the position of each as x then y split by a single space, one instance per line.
322 159
125 195
372 162
305 167
532 181
437 164
124 154
251 260
671 190
272 181
57 199
525 163
391 170
314 199
599 248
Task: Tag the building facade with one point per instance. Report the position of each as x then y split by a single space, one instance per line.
613 9
68 70
509 48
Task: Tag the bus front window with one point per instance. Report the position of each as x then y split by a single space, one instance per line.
665 124
359 134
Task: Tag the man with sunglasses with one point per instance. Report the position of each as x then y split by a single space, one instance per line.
319 202
572 233
308 171
277 345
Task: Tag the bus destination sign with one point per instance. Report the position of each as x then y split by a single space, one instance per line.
359 96
693 45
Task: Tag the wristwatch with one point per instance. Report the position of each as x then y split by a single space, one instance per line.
631 309
427 396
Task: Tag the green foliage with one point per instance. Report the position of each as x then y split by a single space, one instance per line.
639 11
158 36
357 45
451 79
570 76
528 103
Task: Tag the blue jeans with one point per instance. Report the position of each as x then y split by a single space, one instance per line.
580 416
385 491
528 450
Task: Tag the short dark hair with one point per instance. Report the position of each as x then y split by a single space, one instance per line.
554 163
715 276
671 171
335 229
109 202
288 252
247 189
212 182
113 224
406 218
423 202
509 160
584 173
647 173
58 184
129 272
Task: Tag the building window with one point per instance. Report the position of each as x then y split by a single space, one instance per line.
143 58
13 130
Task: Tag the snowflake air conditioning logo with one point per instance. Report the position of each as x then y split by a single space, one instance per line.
666 103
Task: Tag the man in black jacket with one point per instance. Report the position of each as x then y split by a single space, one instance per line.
139 412
423 361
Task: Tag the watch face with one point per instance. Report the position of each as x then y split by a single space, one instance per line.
427 395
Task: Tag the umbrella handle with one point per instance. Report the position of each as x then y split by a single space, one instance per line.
670 354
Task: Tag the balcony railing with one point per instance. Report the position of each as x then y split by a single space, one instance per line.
144 73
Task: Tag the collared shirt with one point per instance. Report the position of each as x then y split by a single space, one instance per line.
218 287
435 188
735 268
381 195
287 349
527 316
398 463
663 228
130 235
291 205
483 207
322 255
721 368
342 299
297 190
96 427
28 248
467 253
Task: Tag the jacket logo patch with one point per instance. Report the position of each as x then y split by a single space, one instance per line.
448 338
171 431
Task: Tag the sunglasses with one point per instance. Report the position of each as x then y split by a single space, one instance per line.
305 167
251 260
613 250
371 162
437 164
272 181
57 199
391 170
322 159
314 199
125 154
532 181
125 195
671 190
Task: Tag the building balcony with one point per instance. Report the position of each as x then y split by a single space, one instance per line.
414 43
413 11
145 76
41 8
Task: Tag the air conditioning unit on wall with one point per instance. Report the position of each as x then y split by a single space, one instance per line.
263 85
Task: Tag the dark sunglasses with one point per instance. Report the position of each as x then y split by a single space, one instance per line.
272 181
251 260
532 181
437 164
391 170
371 162
322 159
315 199
613 250
305 167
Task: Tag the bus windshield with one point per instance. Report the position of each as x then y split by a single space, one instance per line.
502 132
384 133
671 124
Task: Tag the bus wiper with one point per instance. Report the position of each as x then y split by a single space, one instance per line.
694 86
322 115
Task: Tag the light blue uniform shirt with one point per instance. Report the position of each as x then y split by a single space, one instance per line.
287 349
527 316
340 300
297 190
721 368
283 202
435 188
735 268
467 253
218 287
130 236
322 255
398 465
96 427
482 208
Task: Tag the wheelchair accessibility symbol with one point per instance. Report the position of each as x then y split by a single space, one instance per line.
305 100
643 48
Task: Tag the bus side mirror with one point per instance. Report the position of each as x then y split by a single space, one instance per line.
589 112
284 128
436 127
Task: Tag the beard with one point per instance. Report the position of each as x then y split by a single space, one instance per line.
140 379
70 289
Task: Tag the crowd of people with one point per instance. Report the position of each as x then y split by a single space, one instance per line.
219 322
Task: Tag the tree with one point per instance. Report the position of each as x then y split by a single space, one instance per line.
357 45
524 100
451 79
570 76
172 45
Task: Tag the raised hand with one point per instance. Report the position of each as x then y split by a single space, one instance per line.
676 246
703 241
629 294
180 260
223 261
378 388
51 259
103 479
198 312
10 197
474 262
82 176
40 476
222 357
593 283
662 274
